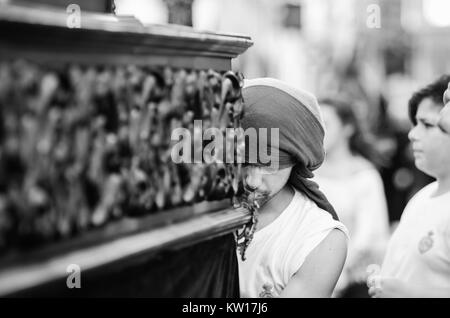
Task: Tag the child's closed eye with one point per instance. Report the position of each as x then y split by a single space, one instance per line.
426 123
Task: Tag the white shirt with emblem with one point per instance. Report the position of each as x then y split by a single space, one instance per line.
278 250
419 250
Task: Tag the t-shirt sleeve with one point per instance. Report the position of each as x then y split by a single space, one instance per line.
318 229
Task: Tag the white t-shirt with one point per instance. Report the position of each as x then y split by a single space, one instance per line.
278 250
419 250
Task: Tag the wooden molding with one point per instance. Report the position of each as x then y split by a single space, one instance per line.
106 37
20 275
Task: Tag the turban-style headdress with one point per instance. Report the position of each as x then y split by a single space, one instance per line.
271 103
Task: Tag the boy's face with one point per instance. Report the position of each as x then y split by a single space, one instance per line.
431 146
265 181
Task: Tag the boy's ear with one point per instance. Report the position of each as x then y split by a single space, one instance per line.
444 121
447 95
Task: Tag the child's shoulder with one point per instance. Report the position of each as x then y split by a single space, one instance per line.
316 218
425 192
419 199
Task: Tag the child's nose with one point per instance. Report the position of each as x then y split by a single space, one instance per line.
253 178
412 135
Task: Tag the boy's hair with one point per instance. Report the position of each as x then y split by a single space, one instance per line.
435 91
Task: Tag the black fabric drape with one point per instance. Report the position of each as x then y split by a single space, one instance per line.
205 269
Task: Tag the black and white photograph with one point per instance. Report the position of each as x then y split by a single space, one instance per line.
201 150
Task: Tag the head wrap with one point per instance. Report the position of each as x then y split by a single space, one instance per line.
270 103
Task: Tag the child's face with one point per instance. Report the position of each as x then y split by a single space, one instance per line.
266 182
430 144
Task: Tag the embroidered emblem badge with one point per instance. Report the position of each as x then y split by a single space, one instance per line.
267 292
426 243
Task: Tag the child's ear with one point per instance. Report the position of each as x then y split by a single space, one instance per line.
447 95
444 121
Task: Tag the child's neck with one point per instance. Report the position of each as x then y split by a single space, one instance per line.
443 185
275 206
279 201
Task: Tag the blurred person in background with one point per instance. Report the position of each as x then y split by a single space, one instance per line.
417 262
353 185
